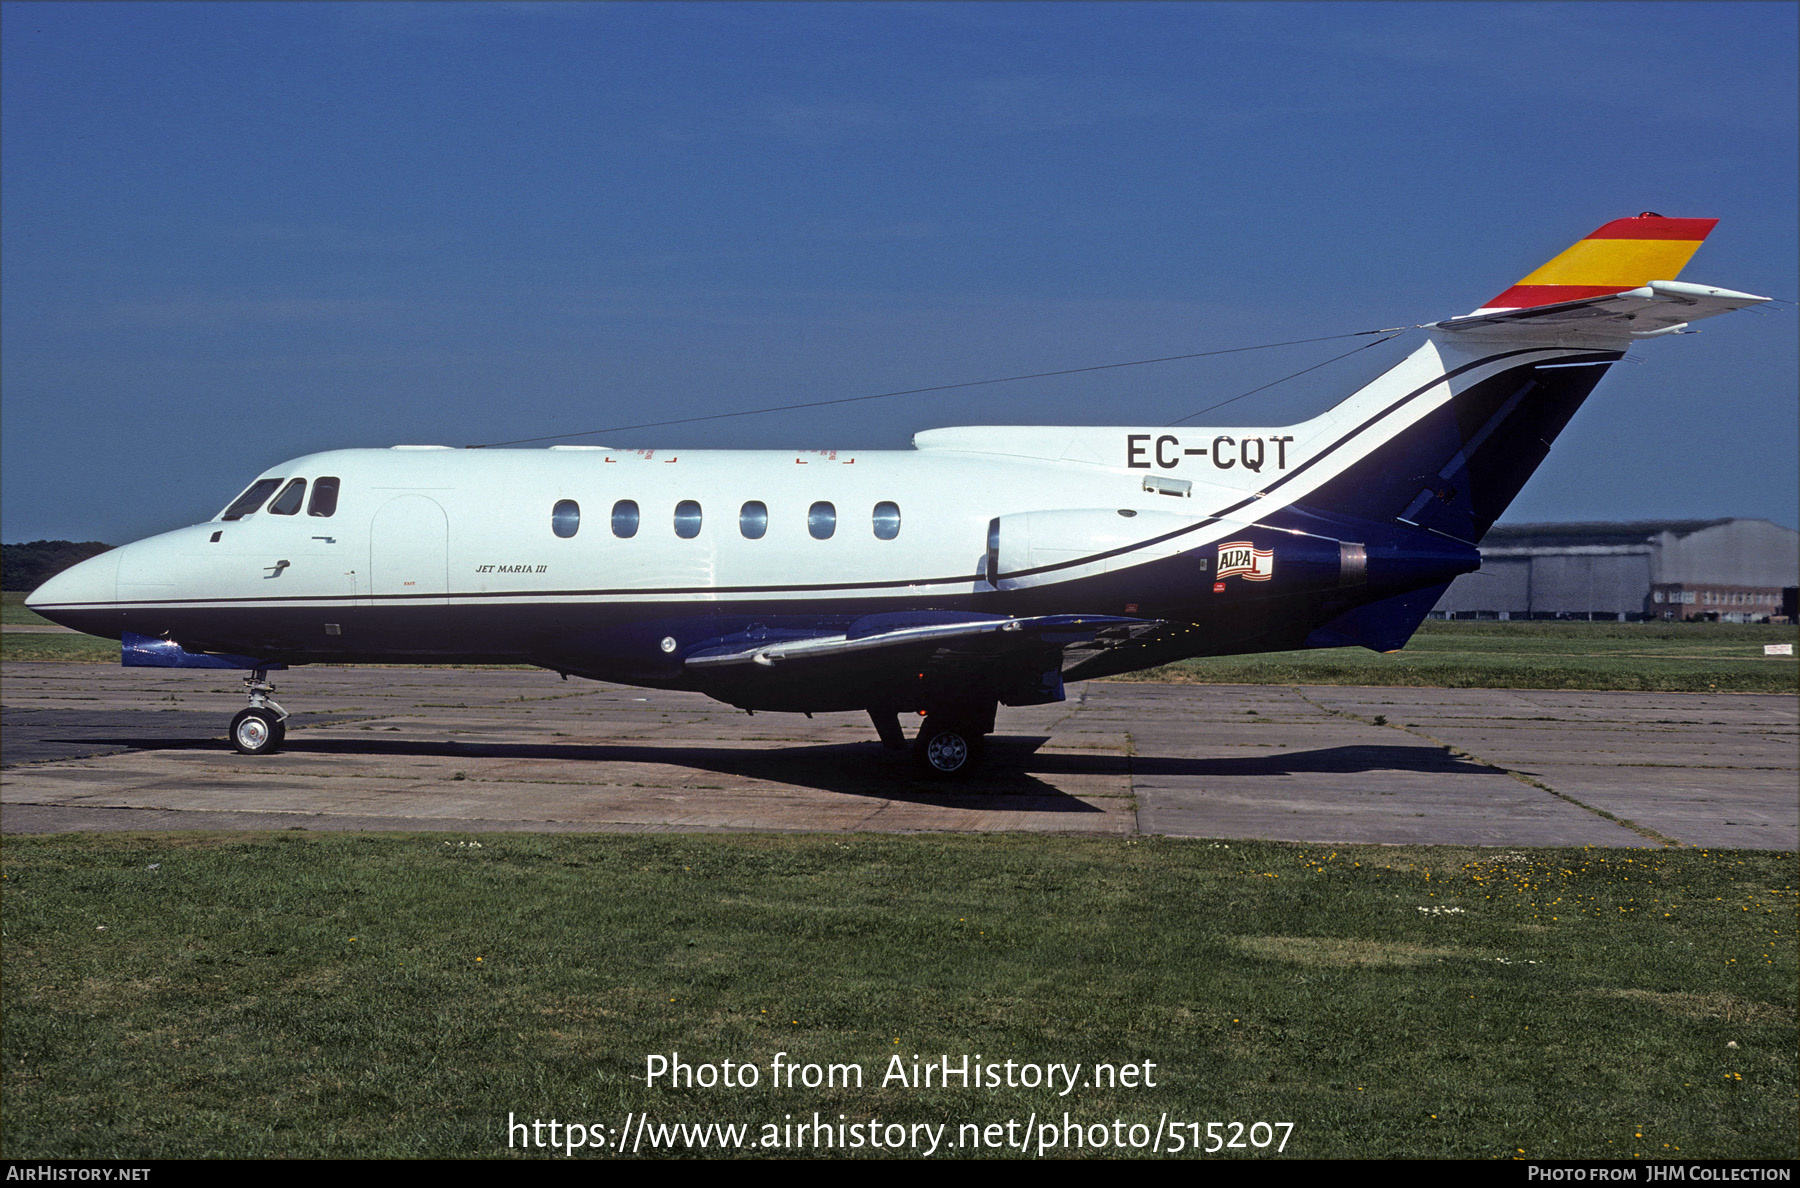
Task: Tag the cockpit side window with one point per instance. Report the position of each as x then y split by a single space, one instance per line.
251 499
288 502
324 497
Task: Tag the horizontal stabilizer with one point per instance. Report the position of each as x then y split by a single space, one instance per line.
1660 307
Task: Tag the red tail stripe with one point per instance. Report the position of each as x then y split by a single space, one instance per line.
1656 227
1523 296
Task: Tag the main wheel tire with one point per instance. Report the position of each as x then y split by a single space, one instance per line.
257 732
947 750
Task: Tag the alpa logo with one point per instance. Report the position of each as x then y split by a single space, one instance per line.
1243 558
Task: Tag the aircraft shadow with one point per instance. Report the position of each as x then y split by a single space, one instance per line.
1013 777
852 769
1421 760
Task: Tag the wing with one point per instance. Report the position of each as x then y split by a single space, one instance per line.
898 637
904 661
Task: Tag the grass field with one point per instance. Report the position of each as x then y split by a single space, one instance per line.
1660 657
58 649
13 610
399 995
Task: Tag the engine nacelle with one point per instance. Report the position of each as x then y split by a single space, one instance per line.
1033 548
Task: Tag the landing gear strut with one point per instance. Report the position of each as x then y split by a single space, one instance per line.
887 725
261 729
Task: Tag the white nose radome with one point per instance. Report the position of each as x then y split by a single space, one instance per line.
90 584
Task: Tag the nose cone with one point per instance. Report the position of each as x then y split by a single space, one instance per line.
74 596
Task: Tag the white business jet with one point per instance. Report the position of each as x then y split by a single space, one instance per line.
986 566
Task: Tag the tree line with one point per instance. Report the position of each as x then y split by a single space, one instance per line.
28 566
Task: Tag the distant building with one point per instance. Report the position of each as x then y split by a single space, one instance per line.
1734 571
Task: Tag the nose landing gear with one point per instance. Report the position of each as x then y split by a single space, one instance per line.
261 729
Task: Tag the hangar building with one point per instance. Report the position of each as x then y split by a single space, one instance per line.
1734 571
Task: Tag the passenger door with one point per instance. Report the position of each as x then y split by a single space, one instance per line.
409 549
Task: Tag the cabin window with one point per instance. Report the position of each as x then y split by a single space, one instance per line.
324 497
687 519
821 520
887 520
625 518
753 519
288 502
251 499
565 518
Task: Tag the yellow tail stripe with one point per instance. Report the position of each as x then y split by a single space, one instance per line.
1626 263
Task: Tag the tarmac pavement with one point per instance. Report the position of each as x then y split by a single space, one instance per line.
89 747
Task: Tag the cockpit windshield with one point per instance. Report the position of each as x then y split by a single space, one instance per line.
288 502
251 499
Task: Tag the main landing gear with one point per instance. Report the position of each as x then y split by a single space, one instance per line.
261 729
949 744
947 749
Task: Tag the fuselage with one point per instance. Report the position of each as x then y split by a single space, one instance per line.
506 555
627 564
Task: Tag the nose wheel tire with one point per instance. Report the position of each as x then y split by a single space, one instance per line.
946 750
257 732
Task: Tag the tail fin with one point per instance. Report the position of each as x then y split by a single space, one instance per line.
1444 441
1454 448
1623 254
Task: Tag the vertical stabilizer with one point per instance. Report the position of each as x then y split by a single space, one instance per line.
1444 441
1624 254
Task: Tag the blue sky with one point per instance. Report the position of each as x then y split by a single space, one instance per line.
238 233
